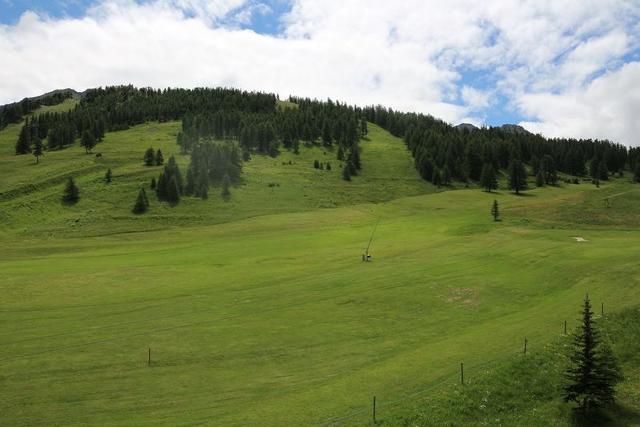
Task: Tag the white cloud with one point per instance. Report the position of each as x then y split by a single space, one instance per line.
410 55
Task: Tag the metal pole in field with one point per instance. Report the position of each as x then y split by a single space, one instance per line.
525 345
149 362
374 410
461 373
565 327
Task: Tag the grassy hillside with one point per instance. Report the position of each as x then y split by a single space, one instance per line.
258 311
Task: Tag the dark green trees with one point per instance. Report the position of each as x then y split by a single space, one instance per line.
23 145
226 184
316 164
548 169
149 157
169 187
636 172
142 203
159 159
540 178
488 179
593 372
37 148
71 192
88 141
346 172
495 212
517 176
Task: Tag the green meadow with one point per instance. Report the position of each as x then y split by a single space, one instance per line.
259 311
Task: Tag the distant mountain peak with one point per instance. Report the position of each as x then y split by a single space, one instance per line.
466 126
511 128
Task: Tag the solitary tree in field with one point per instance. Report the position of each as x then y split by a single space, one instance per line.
88 141
149 157
37 147
142 203
488 179
316 164
494 210
71 192
108 176
517 176
593 372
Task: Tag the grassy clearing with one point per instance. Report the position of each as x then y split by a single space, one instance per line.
258 310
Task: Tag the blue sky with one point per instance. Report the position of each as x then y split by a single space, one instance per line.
562 69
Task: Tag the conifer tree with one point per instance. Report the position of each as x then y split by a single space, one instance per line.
316 164
328 167
173 191
37 148
346 172
636 172
161 187
71 192
141 204
488 179
153 183
540 178
495 211
593 372
226 184
108 176
159 159
23 146
436 179
149 157
340 154
603 171
517 176
88 141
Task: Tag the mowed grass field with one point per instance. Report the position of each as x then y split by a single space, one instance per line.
259 311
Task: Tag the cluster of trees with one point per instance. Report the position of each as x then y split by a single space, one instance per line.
213 163
14 112
441 150
153 158
169 186
321 165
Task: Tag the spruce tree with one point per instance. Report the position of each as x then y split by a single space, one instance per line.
495 211
141 204
226 184
603 172
328 166
71 192
159 160
436 178
88 141
517 176
173 191
316 164
540 178
346 172
636 172
23 145
108 176
593 372
149 157
37 148
153 183
488 179
161 187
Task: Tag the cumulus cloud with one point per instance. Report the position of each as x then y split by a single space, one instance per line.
560 65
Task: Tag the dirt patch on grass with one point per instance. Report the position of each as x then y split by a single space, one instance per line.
462 296
580 239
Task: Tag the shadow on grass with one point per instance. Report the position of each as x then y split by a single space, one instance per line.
616 415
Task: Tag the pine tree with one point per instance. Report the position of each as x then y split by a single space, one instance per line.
23 145
316 164
88 141
636 172
540 178
108 176
141 204
517 176
149 157
603 171
328 166
173 191
37 148
226 183
494 210
340 154
152 185
71 192
159 160
346 172
593 372
436 178
488 179
161 187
